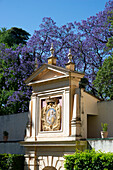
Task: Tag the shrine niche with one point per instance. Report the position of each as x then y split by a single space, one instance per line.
51 114
55 115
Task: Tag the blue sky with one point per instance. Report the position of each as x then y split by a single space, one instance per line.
28 14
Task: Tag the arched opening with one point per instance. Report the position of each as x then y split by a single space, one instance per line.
49 168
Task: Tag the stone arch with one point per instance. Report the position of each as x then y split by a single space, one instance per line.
49 168
50 163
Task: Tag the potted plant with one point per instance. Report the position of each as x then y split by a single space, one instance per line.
104 132
5 135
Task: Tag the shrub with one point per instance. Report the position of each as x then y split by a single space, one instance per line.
89 160
11 162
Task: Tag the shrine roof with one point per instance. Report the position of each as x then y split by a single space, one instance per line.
61 72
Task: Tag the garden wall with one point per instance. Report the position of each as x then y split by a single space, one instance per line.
11 147
105 145
15 125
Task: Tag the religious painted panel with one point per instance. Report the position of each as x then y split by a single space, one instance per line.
51 114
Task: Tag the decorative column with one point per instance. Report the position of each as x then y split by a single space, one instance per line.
76 121
29 123
34 99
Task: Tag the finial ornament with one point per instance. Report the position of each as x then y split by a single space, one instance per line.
70 65
52 50
69 56
52 58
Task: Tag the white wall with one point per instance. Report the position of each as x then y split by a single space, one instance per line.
102 145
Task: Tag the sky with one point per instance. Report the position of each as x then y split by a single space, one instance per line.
28 14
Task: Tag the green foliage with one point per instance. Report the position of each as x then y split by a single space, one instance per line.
13 36
11 162
104 126
89 160
104 79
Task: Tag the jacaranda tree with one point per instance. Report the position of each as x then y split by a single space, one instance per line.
87 40
110 40
15 67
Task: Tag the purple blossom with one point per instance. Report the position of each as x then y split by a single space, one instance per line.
87 40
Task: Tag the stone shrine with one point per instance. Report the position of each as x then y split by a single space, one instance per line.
57 115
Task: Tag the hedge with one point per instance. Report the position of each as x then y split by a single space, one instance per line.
11 162
89 160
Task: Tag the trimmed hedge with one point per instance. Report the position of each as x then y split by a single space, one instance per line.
89 160
11 162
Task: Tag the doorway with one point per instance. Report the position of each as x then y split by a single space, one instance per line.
49 168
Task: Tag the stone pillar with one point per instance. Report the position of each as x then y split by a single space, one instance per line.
28 127
66 115
76 121
33 117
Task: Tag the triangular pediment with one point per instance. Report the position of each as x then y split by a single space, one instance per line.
45 73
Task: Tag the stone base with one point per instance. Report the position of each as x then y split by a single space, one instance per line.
41 156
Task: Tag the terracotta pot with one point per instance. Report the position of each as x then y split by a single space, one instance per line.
5 138
104 134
